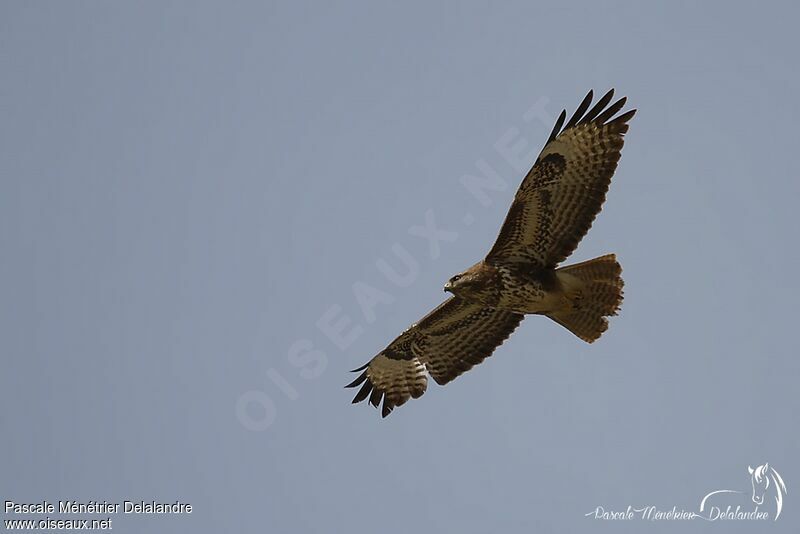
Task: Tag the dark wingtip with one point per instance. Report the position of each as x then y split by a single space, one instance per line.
360 368
580 110
611 110
375 398
357 381
365 390
624 118
387 408
558 125
598 107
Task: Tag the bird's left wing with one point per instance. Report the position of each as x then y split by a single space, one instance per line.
563 192
450 340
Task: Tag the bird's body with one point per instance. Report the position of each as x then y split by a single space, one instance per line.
514 287
530 291
552 210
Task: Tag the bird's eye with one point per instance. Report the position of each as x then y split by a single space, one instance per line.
456 278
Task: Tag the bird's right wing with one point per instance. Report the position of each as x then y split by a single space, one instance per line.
447 342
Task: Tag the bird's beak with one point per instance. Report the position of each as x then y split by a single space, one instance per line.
448 287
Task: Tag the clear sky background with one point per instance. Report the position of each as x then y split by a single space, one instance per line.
188 190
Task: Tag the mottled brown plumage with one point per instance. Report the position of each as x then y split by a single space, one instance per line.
448 341
552 211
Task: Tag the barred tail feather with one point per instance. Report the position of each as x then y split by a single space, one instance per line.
594 291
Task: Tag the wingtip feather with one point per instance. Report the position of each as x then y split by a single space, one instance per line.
601 104
558 125
357 381
386 409
580 110
365 390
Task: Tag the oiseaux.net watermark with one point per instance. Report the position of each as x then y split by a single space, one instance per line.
763 501
256 408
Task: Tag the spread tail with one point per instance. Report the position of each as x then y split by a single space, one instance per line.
594 292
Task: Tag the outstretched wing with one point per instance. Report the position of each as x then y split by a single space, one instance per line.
447 342
565 189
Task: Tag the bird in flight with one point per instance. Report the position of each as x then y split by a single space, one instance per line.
551 212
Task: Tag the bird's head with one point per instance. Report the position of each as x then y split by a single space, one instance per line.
472 281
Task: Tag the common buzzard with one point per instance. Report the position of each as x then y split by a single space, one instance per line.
552 211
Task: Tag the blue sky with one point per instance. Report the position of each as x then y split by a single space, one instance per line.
190 189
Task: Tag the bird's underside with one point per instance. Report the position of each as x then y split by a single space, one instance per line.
551 212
